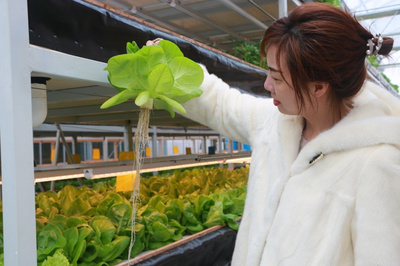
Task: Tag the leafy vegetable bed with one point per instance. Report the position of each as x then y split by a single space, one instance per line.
91 226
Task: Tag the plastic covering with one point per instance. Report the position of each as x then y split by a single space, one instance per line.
91 30
215 248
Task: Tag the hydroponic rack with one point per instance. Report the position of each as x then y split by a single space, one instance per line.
55 39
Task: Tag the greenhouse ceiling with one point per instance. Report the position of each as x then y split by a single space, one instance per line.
219 23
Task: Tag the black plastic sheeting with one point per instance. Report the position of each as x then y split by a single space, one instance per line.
213 249
86 30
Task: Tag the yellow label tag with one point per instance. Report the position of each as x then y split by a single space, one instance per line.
126 155
148 151
76 157
52 155
96 154
175 149
125 183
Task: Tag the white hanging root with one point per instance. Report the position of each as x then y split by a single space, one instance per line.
141 138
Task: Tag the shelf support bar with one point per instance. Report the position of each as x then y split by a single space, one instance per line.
19 223
283 8
67 149
128 137
154 143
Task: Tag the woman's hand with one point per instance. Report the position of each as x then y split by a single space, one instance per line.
153 42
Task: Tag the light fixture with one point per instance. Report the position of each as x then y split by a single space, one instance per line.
39 100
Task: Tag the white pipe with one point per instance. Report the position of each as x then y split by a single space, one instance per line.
128 137
220 144
204 145
105 149
154 143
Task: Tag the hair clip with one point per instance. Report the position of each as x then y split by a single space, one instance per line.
372 48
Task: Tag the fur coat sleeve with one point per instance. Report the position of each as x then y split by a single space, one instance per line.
233 114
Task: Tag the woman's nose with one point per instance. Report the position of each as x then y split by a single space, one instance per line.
268 84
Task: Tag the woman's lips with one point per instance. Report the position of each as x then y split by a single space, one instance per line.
276 102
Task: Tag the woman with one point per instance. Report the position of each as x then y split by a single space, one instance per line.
324 185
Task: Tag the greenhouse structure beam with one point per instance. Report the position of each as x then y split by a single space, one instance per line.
19 224
283 8
20 61
61 65
154 142
197 15
394 65
166 24
57 146
68 150
262 9
128 143
376 14
242 12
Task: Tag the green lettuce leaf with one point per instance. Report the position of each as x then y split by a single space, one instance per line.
85 233
77 207
57 259
114 249
71 235
103 228
189 218
119 98
91 252
49 239
131 48
161 232
120 215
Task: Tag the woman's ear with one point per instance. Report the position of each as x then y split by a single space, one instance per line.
320 89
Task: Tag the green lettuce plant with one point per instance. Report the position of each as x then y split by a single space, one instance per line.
173 206
158 76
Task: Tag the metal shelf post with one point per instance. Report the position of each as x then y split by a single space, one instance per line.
19 223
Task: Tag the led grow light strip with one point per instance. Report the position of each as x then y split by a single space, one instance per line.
91 173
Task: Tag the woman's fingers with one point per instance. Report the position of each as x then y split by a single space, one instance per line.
153 42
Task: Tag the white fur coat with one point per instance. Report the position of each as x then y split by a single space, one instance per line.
337 202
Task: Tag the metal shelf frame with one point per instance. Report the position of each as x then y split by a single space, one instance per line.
114 168
20 61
